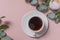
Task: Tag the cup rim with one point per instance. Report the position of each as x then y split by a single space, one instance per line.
40 28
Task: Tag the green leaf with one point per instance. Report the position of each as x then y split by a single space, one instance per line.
33 2
4 26
2 17
6 38
2 34
47 2
57 19
57 12
41 7
51 15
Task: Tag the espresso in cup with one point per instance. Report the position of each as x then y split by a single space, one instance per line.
35 23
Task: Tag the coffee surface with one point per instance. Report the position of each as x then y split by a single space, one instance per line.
35 23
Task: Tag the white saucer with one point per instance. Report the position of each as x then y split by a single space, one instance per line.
26 28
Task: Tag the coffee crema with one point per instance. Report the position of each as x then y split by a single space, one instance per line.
35 23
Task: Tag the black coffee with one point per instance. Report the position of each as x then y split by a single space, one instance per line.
35 23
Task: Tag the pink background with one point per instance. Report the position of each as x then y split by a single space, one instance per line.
14 10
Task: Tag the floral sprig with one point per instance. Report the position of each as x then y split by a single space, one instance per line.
54 16
4 26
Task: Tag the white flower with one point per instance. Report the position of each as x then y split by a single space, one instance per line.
54 5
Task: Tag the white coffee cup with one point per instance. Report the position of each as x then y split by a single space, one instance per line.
40 29
25 23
